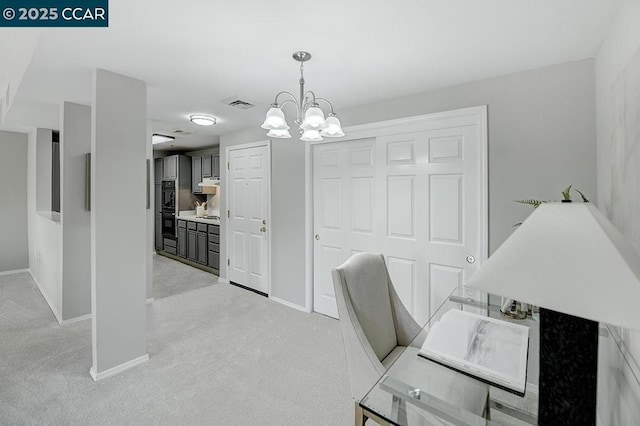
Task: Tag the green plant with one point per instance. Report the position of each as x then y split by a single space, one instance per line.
566 196
531 202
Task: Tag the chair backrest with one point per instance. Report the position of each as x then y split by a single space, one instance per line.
366 281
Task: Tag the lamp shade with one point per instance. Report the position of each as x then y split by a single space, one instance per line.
569 258
333 128
275 120
314 117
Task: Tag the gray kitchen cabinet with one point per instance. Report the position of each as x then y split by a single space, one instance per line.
158 231
214 246
201 248
170 168
157 171
198 242
196 174
207 166
192 245
196 246
216 166
214 260
170 246
201 168
182 239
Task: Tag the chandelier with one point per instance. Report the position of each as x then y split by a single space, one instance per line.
310 118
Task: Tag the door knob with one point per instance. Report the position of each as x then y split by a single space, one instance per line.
317 237
264 221
471 259
263 229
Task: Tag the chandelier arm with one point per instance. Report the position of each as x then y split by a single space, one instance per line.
310 92
293 100
327 101
285 93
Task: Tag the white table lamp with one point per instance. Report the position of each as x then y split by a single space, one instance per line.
577 266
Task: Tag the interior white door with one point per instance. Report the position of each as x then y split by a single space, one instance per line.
417 197
433 215
344 200
249 172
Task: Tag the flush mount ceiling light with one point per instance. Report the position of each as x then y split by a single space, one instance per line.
160 138
202 120
310 118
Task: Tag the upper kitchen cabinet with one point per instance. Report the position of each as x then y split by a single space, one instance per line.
157 170
206 166
170 168
216 166
196 174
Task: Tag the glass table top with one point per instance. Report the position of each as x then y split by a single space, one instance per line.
417 391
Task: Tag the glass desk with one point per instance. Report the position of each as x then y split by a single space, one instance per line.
417 391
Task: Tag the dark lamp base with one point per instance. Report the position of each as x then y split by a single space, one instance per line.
568 369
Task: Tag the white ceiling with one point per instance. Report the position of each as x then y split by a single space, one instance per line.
194 54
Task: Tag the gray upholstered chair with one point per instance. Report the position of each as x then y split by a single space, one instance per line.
376 327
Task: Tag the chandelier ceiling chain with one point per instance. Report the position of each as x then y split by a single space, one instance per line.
309 116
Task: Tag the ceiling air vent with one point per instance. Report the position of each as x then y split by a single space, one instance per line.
236 102
180 132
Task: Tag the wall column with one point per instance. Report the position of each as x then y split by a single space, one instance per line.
118 223
75 143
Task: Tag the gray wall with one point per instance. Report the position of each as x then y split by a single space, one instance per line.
14 252
618 386
288 220
75 142
541 139
45 232
44 152
118 220
151 234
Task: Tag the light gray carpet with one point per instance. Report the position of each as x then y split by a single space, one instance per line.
171 277
220 355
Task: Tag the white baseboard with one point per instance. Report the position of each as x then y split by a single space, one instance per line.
55 312
117 369
289 304
151 300
15 271
76 319
532 388
223 280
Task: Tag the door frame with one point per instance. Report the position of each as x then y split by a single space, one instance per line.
226 188
476 115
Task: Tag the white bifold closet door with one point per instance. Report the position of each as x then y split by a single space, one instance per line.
417 197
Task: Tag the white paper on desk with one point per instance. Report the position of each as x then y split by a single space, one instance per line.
487 348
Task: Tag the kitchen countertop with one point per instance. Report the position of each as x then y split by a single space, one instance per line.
198 219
